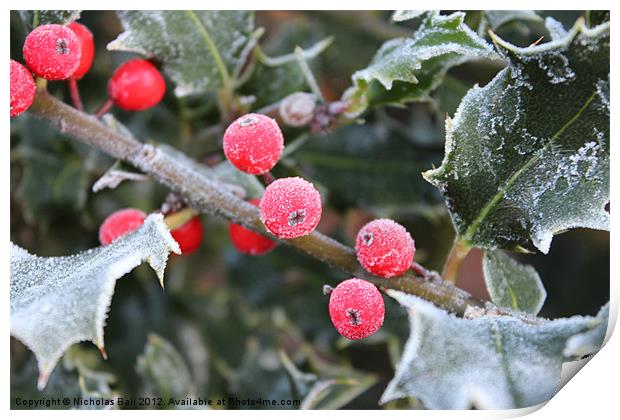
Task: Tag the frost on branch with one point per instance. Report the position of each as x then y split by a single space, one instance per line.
408 69
491 362
195 48
527 156
511 284
59 301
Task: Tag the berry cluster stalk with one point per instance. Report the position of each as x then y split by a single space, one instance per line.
208 196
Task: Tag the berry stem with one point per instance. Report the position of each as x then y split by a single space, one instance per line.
268 178
105 108
457 254
209 196
74 90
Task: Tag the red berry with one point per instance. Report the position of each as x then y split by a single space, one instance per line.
22 89
120 223
189 235
384 248
253 143
356 309
52 52
87 48
250 242
136 85
290 208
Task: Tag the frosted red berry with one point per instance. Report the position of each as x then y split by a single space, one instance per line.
189 235
87 49
253 143
249 242
22 89
120 223
290 208
356 309
52 52
384 248
136 85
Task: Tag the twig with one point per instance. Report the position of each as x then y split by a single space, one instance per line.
208 196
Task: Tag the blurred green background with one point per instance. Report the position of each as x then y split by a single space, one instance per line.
259 326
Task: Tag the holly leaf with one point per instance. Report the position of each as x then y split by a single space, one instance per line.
491 362
199 50
408 69
164 370
59 301
527 156
511 284
591 341
34 18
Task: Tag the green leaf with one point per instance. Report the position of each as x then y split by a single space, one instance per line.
408 69
59 301
527 156
511 284
492 362
199 50
164 370
34 18
590 341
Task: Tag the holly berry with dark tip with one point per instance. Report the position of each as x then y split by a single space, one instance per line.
189 235
136 85
253 143
290 208
384 248
120 223
22 89
249 242
356 309
52 52
87 49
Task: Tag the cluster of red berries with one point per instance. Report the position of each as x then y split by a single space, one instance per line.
57 52
291 208
385 249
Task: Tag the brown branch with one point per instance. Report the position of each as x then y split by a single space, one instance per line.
210 197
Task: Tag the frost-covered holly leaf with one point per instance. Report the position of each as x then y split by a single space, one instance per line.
199 50
590 341
32 18
493 19
59 301
527 156
491 362
164 370
408 69
511 284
